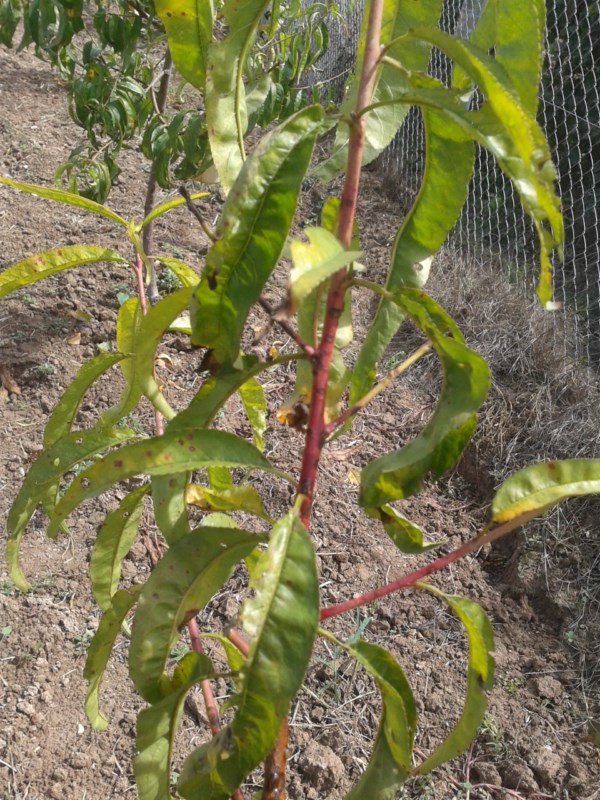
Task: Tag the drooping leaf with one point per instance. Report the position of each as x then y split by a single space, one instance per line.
225 95
538 487
519 46
44 473
174 202
508 131
384 121
100 649
39 266
280 621
390 762
316 262
251 233
112 544
173 452
182 582
480 677
466 380
407 536
61 419
254 401
421 234
157 726
66 197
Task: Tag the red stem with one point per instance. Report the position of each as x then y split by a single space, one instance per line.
335 299
409 581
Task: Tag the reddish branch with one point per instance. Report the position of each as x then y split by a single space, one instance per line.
337 289
274 785
409 581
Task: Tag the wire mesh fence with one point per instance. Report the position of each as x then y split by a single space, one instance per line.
493 229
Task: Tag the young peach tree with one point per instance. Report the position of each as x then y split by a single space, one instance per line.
190 460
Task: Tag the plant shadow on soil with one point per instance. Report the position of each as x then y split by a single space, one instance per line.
539 589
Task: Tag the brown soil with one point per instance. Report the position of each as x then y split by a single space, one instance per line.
531 741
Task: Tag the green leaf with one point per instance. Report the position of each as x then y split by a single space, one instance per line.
173 452
255 404
186 274
251 233
225 95
188 24
174 202
316 262
142 343
480 677
47 263
168 500
519 46
390 762
100 649
233 498
465 384
61 419
69 198
157 726
44 473
280 621
383 122
112 544
538 487
182 583
407 536
421 234
512 134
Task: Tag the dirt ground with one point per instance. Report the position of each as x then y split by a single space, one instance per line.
531 743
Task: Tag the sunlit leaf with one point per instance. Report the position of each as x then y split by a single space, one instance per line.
173 452
254 401
225 95
100 649
66 197
185 274
139 370
174 202
251 233
112 544
182 582
233 498
157 726
51 261
280 620
316 262
480 677
422 233
390 761
63 416
538 487
44 473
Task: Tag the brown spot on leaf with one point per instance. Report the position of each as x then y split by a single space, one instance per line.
117 462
